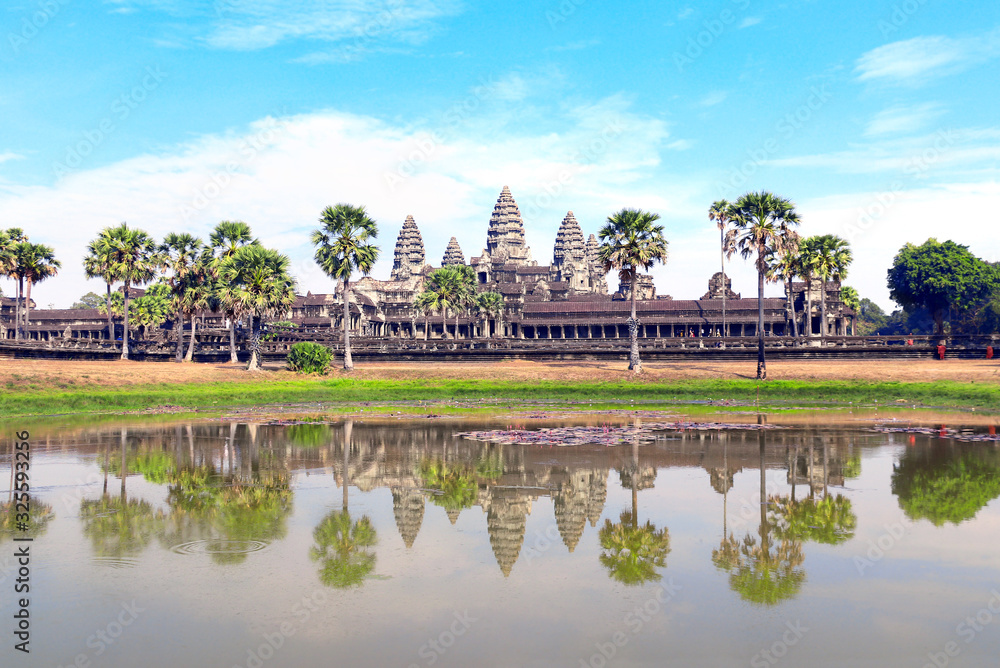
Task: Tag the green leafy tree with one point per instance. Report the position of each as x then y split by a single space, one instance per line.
39 516
256 284
443 292
850 297
91 300
829 520
762 223
134 262
806 260
940 277
99 263
153 308
633 552
629 241
784 266
227 237
343 247
870 317
454 488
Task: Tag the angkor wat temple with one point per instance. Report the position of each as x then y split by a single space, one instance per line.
567 299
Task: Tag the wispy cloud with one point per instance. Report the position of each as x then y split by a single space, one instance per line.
714 98
904 119
921 58
750 21
574 46
8 155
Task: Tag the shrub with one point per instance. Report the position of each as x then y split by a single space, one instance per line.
307 357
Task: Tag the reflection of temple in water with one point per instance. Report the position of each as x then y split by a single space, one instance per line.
502 480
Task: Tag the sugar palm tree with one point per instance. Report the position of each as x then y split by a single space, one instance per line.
134 261
8 240
198 295
630 240
180 253
342 247
465 294
425 303
443 292
33 264
807 253
226 238
491 305
762 222
256 283
833 257
721 212
785 266
98 263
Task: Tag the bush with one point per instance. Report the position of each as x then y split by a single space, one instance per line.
309 357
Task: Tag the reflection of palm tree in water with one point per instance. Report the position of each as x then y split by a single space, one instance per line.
632 553
762 572
342 545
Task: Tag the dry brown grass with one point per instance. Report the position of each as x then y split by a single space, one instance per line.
55 374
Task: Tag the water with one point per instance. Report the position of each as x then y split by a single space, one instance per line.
235 544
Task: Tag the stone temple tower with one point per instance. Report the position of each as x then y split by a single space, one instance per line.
453 254
598 277
569 256
408 257
505 237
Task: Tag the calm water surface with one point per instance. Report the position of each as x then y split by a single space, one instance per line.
218 543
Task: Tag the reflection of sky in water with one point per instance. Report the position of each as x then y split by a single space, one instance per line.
554 608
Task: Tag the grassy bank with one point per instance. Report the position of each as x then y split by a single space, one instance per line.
349 390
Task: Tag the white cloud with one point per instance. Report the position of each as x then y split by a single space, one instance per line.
278 174
750 21
9 155
915 60
903 119
714 98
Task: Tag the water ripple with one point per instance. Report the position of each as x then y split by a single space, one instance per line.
219 547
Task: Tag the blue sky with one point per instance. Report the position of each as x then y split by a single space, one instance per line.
878 119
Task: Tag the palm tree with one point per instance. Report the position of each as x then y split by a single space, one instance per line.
256 283
343 548
761 224
465 291
179 253
425 303
491 305
785 266
721 212
226 238
807 253
33 263
341 248
630 240
8 240
198 295
134 261
442 292
833 257
98 263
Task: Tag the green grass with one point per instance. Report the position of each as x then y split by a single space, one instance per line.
346 390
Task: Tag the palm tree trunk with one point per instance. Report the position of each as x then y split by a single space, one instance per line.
125 333
761 362
190 351
17 309
634 364
111 324
822 311
255 360
426 325
348 430
763 494
456 325
722 257
232 338
808 320
348 362
791 298
27 308
179 327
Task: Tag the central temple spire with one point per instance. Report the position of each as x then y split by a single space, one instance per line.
505 236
